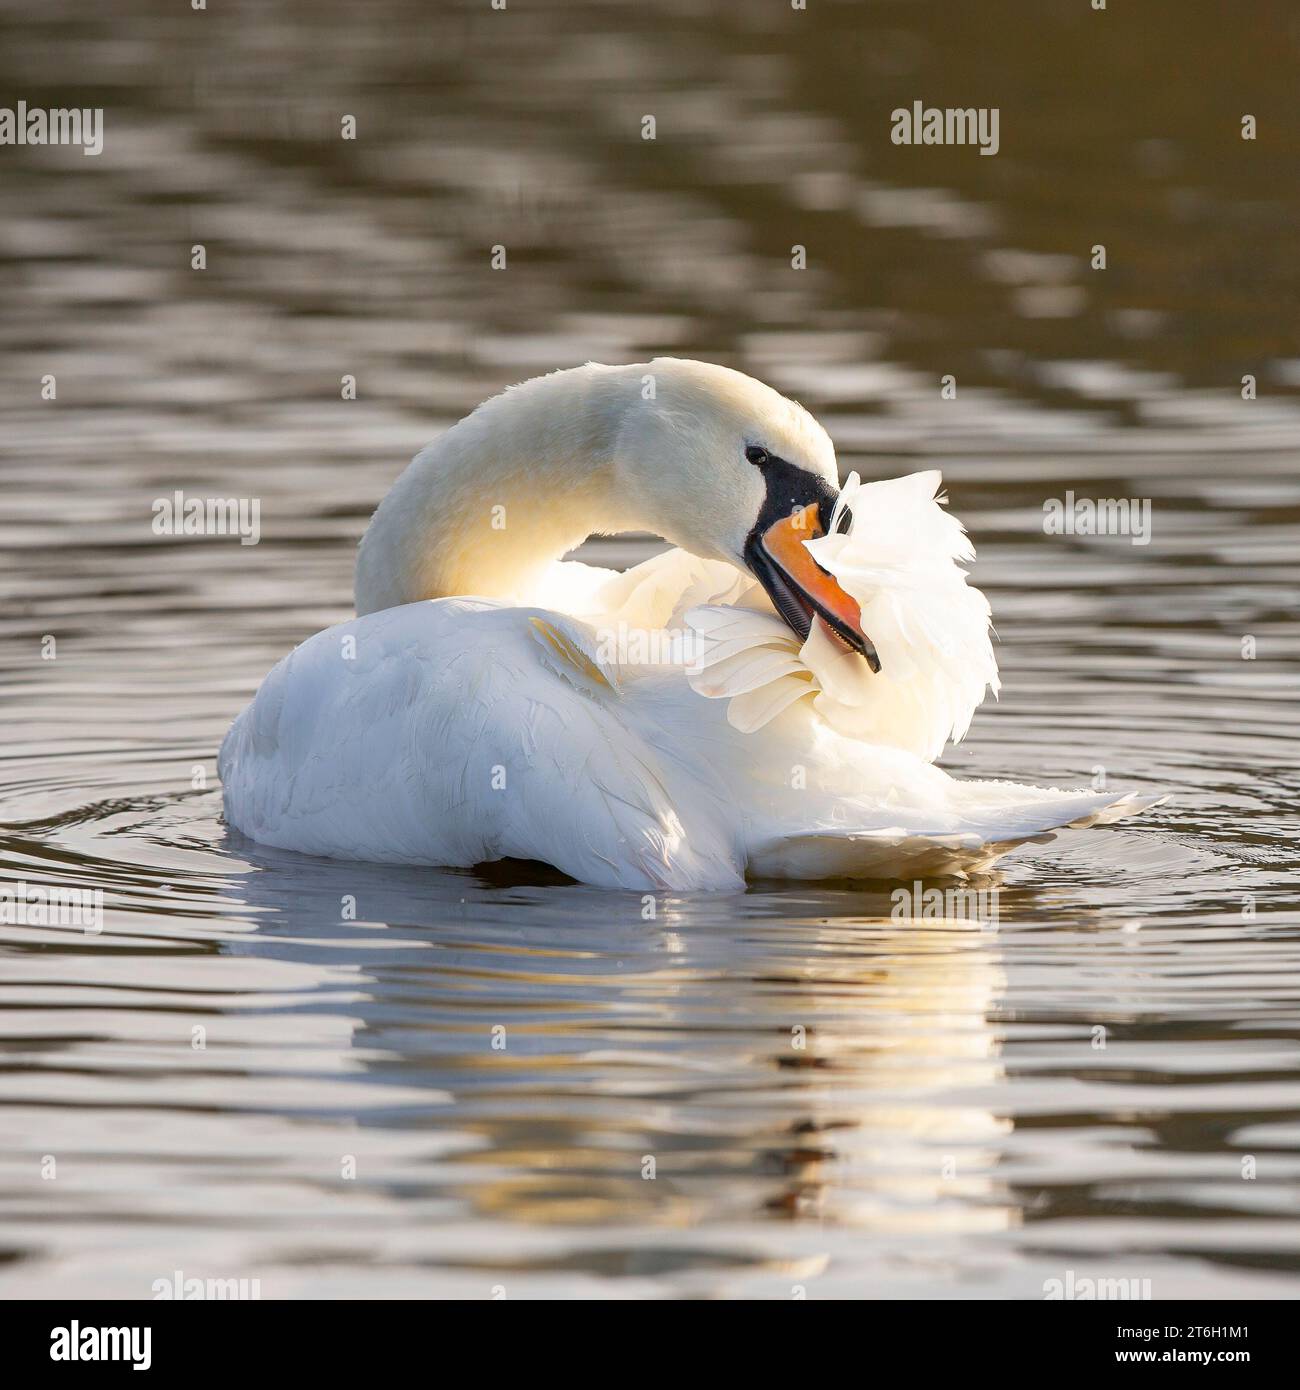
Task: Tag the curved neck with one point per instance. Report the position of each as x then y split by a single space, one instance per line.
514 486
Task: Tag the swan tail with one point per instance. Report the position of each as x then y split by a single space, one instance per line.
993 824
1010 810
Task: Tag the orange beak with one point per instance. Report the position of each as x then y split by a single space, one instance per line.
798 586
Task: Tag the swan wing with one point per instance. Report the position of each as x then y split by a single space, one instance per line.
812 803
459 731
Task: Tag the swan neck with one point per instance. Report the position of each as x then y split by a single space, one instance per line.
514 486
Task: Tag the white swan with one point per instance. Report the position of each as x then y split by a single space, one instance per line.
659 729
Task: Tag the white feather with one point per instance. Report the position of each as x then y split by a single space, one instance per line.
901 562
457 730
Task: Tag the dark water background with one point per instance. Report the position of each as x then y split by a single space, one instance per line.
951 1127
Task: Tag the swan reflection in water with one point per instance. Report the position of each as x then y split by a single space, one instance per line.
614 1094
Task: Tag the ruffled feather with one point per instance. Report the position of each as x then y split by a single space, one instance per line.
901 561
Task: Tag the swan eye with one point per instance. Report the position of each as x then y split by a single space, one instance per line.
757 455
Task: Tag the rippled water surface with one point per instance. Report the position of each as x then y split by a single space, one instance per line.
1104 1080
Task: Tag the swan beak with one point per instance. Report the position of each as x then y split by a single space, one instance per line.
798 586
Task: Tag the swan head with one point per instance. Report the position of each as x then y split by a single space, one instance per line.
730 469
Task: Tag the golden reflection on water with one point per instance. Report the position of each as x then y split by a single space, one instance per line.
830 1118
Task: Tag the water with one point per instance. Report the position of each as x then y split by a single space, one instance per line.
951 1124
